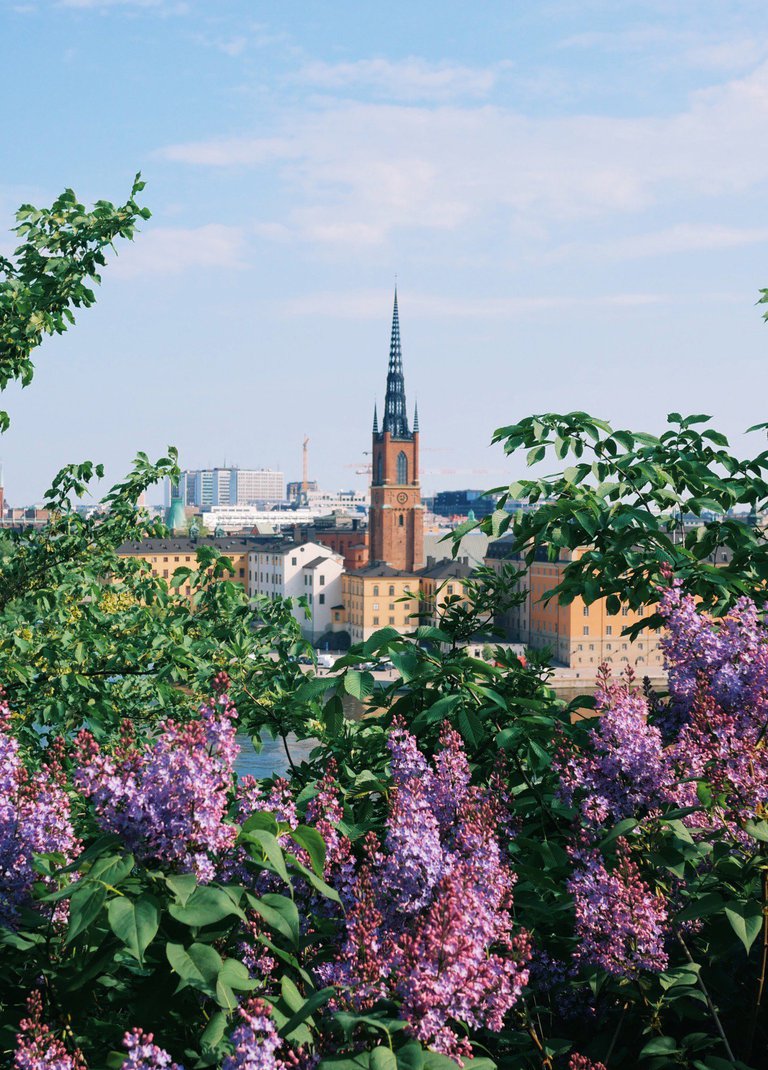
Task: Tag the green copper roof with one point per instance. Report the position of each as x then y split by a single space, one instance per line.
176 518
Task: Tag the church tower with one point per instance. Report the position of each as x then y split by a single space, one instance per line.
396 525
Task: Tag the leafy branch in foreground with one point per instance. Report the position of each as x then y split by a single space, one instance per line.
52 272
633 505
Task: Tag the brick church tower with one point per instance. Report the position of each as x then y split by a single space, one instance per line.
396 523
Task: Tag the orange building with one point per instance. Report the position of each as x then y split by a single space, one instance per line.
346 536
579 636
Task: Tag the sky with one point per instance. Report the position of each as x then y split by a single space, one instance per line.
572 196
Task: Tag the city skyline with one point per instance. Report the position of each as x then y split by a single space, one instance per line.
571 197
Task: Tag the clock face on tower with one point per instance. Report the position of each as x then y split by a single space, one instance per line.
402 497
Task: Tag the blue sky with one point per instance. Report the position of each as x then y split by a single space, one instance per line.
572 196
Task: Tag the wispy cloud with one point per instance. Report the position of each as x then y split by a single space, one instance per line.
408 79
233 152
683 238
171 250
368 304
361 171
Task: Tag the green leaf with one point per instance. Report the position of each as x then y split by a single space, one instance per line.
746 920
214 1032
659 1046
471 728
182 885
314 844
358 684
383 1058
410 1056
624 826
279 912
134 922
112 869
272 851
85 905
205 906
197 966
316 1000
758 830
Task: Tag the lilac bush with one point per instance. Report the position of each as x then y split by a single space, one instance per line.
430 921
35 818
167 801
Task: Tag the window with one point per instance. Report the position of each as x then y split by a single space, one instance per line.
165 571
625 611
640 611
321 599
586 611
580 646
375 620
400 520
310 598
293 560
175 559
375 605
391 589
391 620
391 606
609 629
380 469
609 646
375 590
624 647
450 588
585 630
322 580
402 468
165 559
242 571
591 646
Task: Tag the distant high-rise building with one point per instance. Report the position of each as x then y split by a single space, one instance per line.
204 487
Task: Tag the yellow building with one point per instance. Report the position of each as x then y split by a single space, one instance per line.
164 556
378 597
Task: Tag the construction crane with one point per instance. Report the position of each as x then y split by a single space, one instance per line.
305 468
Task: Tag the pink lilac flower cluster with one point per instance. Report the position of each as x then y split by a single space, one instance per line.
36 1046
167 800
34 819
430 921
144 1054
626 772
621 925
581 1062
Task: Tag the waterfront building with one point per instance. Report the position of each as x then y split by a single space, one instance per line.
579 636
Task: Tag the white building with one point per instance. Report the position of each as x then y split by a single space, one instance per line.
287 570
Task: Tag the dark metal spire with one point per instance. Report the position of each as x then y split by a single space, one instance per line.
416 417
395 415
375 420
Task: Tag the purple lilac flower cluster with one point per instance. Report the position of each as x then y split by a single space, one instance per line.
36 1046
167 800
718 679
257 1045
144 1054
430 916
621 925
627 771
34 819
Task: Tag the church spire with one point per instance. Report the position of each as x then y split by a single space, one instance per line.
375 420
416 418
395 415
